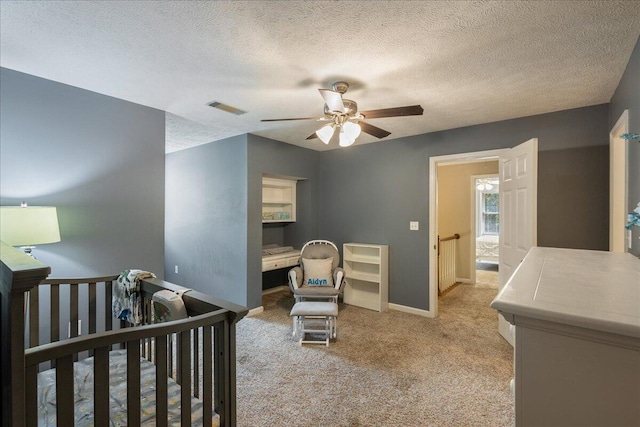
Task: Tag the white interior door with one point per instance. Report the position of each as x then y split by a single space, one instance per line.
518 212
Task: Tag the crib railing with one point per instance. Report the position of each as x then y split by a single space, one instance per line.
446 262
198 352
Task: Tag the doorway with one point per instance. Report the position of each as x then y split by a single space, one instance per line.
441 168
518 171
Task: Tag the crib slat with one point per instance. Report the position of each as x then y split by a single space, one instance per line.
196 363
207 372
185 376
108 323
178 346
221 340
101 387
34 317
133 383
161 381
92 311
171 357
64 391
55 313
92 308
31 394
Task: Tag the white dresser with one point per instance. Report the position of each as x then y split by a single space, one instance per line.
577 328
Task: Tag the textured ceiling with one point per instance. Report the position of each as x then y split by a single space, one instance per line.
465 62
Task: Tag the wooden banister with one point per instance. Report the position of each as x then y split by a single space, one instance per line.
444 239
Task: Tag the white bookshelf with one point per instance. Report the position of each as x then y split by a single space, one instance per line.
366 269
278 200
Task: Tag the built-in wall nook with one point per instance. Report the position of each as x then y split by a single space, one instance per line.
279 210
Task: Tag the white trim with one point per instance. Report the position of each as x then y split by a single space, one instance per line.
255 311
434 162
275 289
618 173
410 310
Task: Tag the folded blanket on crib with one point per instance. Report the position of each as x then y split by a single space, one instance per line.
126 303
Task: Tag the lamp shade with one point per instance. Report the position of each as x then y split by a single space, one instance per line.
29 226
350 131
325 133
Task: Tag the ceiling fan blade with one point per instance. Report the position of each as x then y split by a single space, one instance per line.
373 130
284 120
333 99
412 110
312 136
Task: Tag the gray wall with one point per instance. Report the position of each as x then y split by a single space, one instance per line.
627 96
214 231
266 156
206 218
99 160
573 198
369 193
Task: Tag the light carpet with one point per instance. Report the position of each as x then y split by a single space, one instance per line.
384 369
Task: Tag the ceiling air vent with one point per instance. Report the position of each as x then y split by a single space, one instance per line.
227 108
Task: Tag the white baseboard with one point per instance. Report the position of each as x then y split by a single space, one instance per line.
463 280
275 289
411 310
255 311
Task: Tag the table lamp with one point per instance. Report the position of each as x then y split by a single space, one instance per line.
27 226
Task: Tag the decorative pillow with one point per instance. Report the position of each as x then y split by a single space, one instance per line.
317 272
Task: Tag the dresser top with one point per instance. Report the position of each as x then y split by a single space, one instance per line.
589 289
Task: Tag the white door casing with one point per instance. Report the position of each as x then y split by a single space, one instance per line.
618 184
518 213
434 162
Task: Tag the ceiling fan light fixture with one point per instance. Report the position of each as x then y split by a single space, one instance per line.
344 141
351 130
349 133
325 133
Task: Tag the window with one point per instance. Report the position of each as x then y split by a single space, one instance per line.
490 216
487 206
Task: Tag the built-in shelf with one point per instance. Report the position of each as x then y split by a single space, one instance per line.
278 200
366 275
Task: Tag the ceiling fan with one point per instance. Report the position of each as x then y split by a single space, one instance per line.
343 114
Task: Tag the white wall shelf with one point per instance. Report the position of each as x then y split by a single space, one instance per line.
366 270
278 200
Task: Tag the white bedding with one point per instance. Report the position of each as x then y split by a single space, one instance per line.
487 248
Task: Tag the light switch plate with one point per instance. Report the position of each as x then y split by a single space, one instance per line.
414 225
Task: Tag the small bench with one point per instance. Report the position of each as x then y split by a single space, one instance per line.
314 317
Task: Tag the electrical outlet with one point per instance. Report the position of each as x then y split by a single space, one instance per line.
414 225
629 238
176 269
